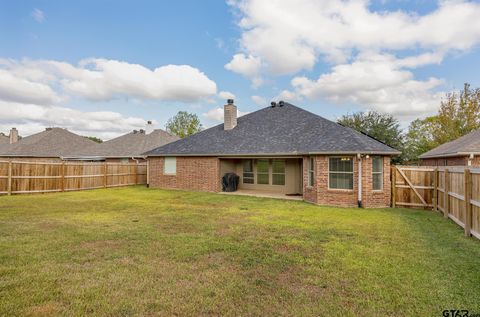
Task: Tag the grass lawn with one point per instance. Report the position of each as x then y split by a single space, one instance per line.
139 251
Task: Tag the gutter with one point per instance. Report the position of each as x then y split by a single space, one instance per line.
359 157
275 154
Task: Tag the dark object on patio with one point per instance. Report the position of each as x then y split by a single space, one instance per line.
230 182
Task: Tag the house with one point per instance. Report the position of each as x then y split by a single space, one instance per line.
464 151
283 150
50 145
128 147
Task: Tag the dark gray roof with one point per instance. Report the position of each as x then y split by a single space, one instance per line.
465 145
53 142
132 144
286 130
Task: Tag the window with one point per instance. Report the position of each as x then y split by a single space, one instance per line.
340 173
262 172
170 166
377 172
311 172
278 172
248 171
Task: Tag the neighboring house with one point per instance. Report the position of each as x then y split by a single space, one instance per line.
280 149
464 151
4 139
128 147
50 145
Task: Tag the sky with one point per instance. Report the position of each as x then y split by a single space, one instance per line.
103 68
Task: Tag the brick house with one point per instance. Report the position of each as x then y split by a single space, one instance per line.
464 151
280 149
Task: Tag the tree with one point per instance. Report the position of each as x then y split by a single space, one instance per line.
459 114
381 126
94 139
184 124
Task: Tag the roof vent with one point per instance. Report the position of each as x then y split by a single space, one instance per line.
281 103
142 131
48 129
135 131
229 101
273 104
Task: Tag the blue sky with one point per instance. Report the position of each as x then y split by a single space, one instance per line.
69 64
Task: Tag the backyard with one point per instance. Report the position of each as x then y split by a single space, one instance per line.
138 251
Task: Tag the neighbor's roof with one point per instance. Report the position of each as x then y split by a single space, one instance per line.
53 142
465 145
133 144
4 139
286 130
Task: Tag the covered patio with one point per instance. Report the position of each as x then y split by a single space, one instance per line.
276 177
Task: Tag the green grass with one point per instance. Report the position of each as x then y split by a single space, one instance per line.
138 251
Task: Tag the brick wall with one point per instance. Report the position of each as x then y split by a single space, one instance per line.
449 161
376 198
193 173
322 195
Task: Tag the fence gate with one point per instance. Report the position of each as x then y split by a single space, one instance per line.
413 186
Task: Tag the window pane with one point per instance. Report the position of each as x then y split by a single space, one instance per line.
377 162
278 179
248 166
262 166
340 164
341 180
262 179
278 166
310 178
377 181
170 166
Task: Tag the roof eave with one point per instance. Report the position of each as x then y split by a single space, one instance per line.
389 153
423 156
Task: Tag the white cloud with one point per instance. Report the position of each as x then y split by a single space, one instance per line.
33 93
379 82
32 118
288 36
216 114
259 100
38 15
248 66
13 88
226 95
102 79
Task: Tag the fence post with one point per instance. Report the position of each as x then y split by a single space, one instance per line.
9 185
468 204
105 168
445 194
62 170
435 189
394 186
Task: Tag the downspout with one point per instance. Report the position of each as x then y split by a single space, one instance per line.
359 157
470 159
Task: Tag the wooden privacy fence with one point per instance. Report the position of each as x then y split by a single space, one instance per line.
18 177
455 191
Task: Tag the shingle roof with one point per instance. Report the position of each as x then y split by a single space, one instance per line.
469 143
53 142
132 144
287 130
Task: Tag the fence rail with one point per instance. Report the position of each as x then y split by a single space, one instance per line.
454 191
17 177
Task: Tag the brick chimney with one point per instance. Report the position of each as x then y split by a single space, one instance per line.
149 127
13 135
229 115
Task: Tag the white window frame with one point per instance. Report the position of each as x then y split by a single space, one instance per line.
311 171
170 165
352 172
381 173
